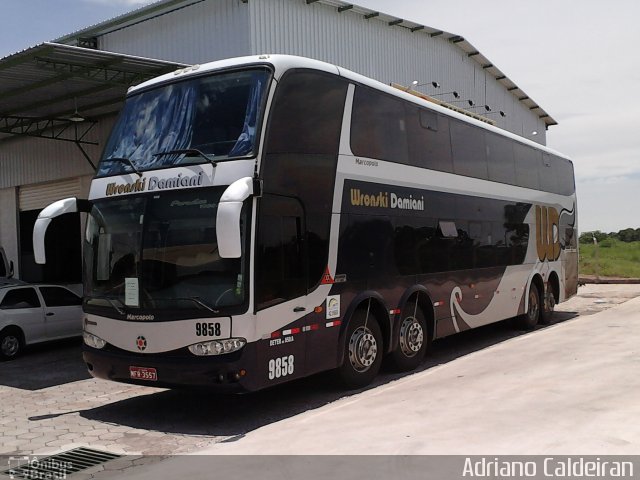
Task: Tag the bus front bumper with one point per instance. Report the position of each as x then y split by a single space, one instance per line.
215 372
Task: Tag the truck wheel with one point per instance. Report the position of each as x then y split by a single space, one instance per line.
413 339
363 351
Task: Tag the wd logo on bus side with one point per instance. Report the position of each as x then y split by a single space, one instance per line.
547 233
385 200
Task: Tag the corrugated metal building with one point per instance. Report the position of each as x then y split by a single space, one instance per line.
37 167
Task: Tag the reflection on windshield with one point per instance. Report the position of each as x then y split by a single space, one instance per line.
216 115
160 252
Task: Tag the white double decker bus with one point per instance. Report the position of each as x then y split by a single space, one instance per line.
261 219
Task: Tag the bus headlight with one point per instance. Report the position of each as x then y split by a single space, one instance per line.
217 347
93 341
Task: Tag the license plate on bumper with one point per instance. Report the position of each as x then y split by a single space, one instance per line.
143 373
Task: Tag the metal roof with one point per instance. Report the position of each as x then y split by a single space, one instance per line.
42 88
164 7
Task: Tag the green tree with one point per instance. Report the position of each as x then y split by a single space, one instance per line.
587 237
628 235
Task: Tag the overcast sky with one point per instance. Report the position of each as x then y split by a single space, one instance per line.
577 59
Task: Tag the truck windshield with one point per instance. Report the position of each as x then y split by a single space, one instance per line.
159 253
216 115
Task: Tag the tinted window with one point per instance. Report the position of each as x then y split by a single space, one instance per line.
416 246
378 126
366 248
302 146
280 271
307 114
500 164
564 170
468 149
548 174
428 137
59 297
20 298
527 162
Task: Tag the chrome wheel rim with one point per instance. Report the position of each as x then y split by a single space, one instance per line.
10 345
363 349
411 337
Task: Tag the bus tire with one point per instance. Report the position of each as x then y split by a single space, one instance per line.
413 339
548 306
363 351
531 317
11 343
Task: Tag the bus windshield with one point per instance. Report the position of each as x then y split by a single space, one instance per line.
159 253
204 119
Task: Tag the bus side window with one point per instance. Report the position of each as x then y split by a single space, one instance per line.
500 159
428 138
564 170
307 114
548 174
468 149
302 143
378 126
527 166
280 260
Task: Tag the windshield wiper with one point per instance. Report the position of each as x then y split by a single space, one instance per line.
108 299
196 300
199 301
187 152
124 160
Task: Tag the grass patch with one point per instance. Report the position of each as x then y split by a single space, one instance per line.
612 258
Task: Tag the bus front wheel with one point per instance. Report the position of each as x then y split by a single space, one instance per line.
363 351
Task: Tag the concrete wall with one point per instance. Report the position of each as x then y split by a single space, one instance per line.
28 160
386 53
199 33
215 29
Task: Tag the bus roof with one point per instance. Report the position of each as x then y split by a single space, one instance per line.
283 63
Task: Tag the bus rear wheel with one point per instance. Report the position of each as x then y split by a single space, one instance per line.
413 339
363 351
549 304
530 319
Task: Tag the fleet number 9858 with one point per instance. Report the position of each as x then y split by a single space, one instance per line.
280 367
208 329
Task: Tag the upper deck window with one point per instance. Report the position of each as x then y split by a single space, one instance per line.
213 118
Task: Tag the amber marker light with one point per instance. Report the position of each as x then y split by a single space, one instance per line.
318 310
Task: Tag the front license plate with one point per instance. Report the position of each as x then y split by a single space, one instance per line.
143 373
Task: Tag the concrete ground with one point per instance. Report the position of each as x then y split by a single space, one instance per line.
568 388
572 388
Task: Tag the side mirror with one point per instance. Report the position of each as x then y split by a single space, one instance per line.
68 205
11 271
228 217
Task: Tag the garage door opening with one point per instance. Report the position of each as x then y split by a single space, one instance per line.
62 246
